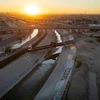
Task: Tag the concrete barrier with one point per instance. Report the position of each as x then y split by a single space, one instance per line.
55 86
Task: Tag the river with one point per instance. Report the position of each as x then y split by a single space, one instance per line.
33 82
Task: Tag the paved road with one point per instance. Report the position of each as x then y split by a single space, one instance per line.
10 24
9 41
14 72
48 27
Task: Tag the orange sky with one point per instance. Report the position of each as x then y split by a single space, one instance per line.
53 6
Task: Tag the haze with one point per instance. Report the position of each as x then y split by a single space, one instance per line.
53 6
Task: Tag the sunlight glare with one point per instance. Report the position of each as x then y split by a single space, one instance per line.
31 9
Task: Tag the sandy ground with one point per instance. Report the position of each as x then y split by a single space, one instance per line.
85 84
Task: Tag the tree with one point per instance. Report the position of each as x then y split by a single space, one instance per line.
7 49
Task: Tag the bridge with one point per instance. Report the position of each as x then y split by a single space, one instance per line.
47 27
67 27
52 45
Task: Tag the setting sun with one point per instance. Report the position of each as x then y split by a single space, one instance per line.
31 9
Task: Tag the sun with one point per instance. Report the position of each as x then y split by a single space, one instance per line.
31 9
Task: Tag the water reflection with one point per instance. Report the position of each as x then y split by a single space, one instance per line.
26 89
34 33
50 61
58 37
58 40
18 45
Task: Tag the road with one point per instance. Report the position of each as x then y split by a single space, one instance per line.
18 69
10 24
48 27
9 41
9 38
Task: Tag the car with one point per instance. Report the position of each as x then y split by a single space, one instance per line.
30 48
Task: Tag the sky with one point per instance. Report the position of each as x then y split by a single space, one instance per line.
53 6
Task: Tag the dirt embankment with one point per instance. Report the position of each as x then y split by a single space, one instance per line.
85 84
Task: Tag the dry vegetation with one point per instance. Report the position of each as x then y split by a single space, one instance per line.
88 68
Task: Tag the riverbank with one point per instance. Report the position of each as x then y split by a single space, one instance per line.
85 84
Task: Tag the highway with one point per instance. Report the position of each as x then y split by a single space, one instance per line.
19 68
8 41
48 27
12 25
52 45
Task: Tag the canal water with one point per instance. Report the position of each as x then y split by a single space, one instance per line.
29 86
58 40
33 34
33 82
28 38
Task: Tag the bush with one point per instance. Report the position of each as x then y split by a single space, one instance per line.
77 62
91 36
7 49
